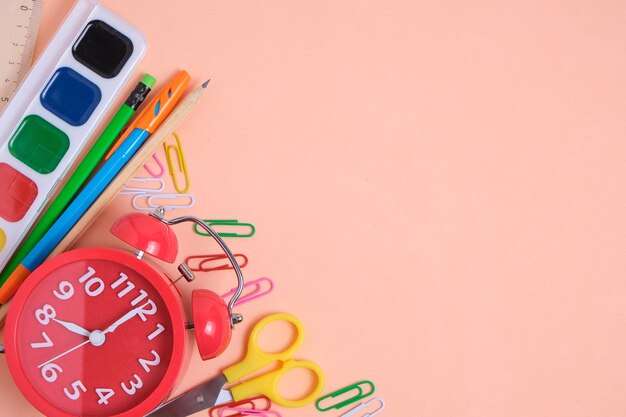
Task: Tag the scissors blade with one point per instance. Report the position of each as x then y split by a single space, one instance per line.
197 399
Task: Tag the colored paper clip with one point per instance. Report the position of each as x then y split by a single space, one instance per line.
247 412
150 199
147 189
213 258
231 223
253 402
182 165
257 292
358 396
159 163
364 405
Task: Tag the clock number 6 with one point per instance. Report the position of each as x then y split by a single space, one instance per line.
44 314
50 372
94 286
76 394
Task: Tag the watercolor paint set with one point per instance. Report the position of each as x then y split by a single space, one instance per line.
56 109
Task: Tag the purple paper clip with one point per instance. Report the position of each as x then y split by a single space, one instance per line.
248 412
159 163
256 292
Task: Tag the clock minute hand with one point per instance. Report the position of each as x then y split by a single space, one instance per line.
63 354
132 313
74 328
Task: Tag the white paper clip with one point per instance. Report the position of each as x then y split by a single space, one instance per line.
146 189
365 404
153 201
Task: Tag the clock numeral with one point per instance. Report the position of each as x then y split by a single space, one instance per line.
157 332
47 343
145 363
134 386
120 281
44 314
66 291
137 300
76 394
90 272
104 394
94 286
50 372
148 309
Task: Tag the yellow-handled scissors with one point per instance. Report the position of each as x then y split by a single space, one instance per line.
213 392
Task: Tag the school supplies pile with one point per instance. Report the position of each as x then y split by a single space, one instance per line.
61 295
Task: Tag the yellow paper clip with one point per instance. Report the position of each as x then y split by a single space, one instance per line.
182 165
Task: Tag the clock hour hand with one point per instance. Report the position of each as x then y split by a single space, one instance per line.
132 313
74 328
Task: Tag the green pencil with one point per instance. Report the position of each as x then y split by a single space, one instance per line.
84 170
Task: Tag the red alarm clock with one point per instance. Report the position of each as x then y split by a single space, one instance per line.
100 332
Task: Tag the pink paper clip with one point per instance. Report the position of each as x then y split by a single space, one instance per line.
159 163
256 292
212 258
248 412
253 402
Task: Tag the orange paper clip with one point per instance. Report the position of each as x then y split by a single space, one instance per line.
252 403
182 164
212 258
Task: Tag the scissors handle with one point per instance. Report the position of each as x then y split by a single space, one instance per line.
268 385
256 358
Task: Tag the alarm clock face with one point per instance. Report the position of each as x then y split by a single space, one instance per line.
95 332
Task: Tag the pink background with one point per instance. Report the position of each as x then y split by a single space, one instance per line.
437 188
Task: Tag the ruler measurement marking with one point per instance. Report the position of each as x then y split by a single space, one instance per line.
19 25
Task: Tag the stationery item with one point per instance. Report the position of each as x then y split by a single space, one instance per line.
56 109
143 189
137 329
258 403
257 290
247 412
155 200
213 392
172 122
152 116
213 258
359 394
19 24
182 164
81 173
230 223
159 163
364 405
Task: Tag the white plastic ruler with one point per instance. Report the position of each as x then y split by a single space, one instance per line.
19 24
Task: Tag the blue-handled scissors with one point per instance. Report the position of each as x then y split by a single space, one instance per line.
213 393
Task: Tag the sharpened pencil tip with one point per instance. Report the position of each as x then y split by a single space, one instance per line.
206 83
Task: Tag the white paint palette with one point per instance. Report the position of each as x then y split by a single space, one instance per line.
57 108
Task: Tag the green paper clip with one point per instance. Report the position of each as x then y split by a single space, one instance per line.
232 223
359 395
